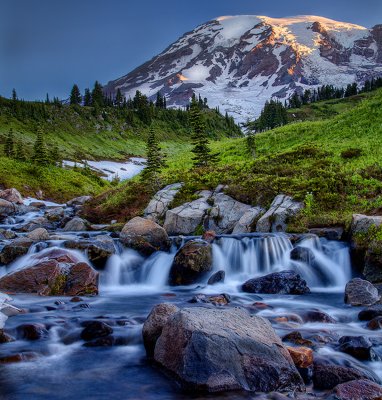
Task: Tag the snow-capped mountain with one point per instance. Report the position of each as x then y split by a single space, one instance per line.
239 62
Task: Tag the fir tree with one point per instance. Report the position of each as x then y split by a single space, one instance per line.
55 158
119 98
97 95
87 98
9 145
47 100
39 151
14 95
75 95
20 153
202 152
251 144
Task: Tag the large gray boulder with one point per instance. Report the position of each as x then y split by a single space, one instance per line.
185 219
12 195
159 204
362 223
359 292
215 350
225 213
76 225
248 220
275 219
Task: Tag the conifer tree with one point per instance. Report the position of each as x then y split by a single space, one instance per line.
14 95
202 152
75 95
20 153
97 95
9 145
87 98
55 155
119 98
39 151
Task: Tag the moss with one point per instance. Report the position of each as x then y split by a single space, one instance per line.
58 287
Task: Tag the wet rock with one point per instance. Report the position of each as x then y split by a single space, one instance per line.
9 234
359 347
95 330
152 328
185 219
159 204
302 254
225 213
7 208
81 307
32 331
11 195
247 223
318 316
275 219
373 262
358 390
5 338
144 236
38 234
215 350
359 292
39 222
76 299
375 324
76 225
20 357
296 338
191 263
17 248
301 356
10 311
106 341
371 312
78 201
288 318
55 214
334 233
55 272
284 282
217 277
221 299
209 236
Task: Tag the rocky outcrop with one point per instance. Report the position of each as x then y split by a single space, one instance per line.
53 272
359 292
191 263
285 282
159 204
247 223
215 350
185 219
275 219
11 195
144 236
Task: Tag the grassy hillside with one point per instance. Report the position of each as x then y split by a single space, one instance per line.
335 165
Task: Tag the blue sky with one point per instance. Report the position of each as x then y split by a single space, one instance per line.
47 45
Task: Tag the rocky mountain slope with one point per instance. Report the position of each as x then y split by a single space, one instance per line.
239 62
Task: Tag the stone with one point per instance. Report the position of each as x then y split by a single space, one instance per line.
359 347
247 222
359 292
53 272
106 341
76 225
358 390
302 254
152 328
38 234
275 219
296 338
375 324
145 236
11 195
217 277
373 262
7 208
362 223
187 218
55 214
17 248
371 312
5 338
318 316
335 233
39 222
225 213
191 263
284 282
215 350
158 206
217 300
209 236
301 356
78 201
32 331
95 330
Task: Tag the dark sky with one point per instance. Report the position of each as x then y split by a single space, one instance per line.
47 45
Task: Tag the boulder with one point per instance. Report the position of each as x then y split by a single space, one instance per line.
359 292
275 219
318 316
158 206
7 208
55 272
78 201
301 356
152 328
145 236
55 214
76 225
362 223
358 390
247 222
38 234
295 337
373 262
225 213
185 219
191 263
370 313
39 222
359 347
375 324
335 233
95 330
302 254
31 331
217 277
216 300
284 282
216 350
17 248
11 195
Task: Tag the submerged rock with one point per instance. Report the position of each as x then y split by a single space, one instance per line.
217 277
371 312
284 282
359 292
215 350
358 390
95 330
375 324
302 254
217 300
32 331
144 236
191 263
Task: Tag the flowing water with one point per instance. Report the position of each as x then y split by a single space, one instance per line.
60 367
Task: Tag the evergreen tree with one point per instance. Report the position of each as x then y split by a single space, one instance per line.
119 98
97 95
202 152
9 145
87 98
47 100
14 95
39 151
20 153
75 95
251 144
55 157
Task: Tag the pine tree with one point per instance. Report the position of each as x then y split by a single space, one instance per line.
119 98
155 161
75 95
20 153
97 95
39 151
87 98
14 95
9 145
202 152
